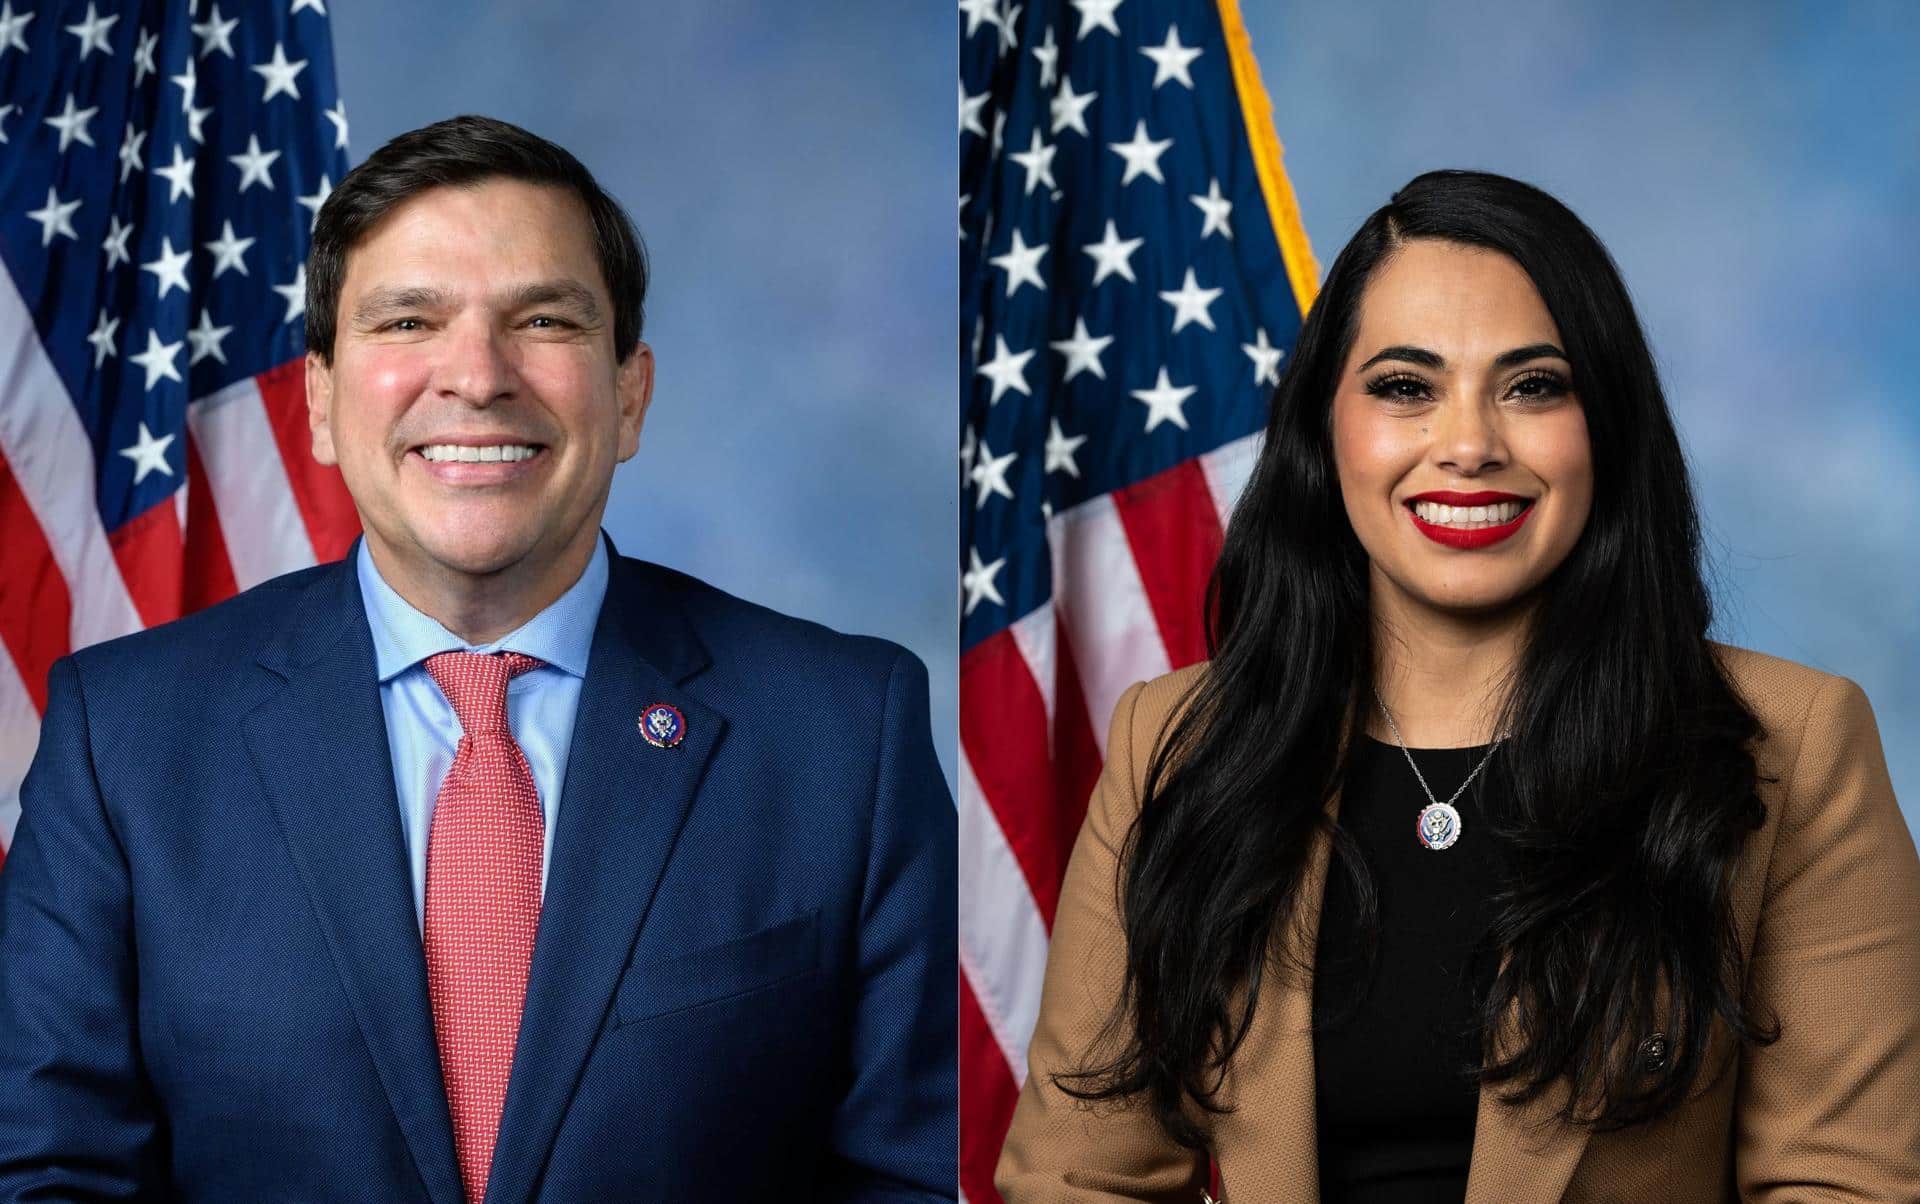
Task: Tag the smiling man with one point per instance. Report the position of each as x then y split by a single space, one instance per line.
486 863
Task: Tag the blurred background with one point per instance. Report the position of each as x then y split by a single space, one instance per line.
791 169
1755 170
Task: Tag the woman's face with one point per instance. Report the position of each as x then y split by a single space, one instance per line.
1458 437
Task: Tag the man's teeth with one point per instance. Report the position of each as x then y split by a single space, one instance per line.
1467 518
468 454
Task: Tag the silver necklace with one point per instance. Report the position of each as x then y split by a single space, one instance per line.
1439 824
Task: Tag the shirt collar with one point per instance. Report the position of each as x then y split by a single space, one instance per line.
561 635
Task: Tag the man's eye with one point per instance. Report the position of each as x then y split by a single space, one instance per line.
547 322
404 324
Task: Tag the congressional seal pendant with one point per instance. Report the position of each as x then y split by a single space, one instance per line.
1439 826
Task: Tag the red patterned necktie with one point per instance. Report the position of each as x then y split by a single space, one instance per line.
483 901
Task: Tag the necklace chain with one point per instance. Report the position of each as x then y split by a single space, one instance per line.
1414 765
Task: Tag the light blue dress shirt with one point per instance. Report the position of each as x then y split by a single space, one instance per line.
422 730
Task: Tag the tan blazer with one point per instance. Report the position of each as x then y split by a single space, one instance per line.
1827 901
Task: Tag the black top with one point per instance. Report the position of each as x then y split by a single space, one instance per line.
1395 1049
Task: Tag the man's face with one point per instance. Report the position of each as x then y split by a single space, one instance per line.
474 322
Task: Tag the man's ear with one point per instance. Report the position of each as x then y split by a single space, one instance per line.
320 409
635 389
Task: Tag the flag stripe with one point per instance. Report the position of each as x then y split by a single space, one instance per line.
986 1103
1003 941
1174 531
208 573
319 492
36 611
1228 468
147 548
265 533
1076 753
1007 746
1110 624
19 732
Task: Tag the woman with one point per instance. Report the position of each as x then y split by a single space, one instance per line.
1468 867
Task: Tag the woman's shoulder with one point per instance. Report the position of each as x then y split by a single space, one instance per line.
1789 698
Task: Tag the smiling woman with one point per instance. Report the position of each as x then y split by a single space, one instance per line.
1468 866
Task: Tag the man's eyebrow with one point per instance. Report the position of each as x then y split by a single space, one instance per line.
556 292
1430 359
399 297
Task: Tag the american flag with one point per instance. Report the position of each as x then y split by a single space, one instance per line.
161 165
1133 272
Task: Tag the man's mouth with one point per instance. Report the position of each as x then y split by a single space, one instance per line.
478 453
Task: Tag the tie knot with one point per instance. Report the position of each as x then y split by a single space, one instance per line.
475 683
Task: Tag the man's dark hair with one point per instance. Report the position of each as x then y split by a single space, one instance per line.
461 152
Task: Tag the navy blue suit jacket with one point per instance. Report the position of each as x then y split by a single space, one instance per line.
211 979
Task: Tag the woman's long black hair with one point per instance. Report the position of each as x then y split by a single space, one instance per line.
1627 759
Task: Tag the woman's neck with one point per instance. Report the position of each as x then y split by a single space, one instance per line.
1444 676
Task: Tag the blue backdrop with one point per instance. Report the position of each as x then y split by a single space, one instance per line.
791 168
1755 170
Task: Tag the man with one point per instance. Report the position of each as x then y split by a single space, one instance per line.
486 863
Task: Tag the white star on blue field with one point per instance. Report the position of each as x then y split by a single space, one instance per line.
1752 168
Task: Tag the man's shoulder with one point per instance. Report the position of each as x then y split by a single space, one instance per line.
213 638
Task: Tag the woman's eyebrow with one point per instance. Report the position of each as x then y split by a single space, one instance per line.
1436 361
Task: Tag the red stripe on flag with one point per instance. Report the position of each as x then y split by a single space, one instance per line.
1003 728
987 1095
36 611
209 571
1174 531
147 547
319 491
1076 754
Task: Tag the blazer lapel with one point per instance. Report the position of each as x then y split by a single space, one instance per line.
320 746
1526 1152
621 809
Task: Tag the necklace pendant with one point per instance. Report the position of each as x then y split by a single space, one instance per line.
1439 826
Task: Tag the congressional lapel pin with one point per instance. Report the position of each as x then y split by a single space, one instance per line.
663 725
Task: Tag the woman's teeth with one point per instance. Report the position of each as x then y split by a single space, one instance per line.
1467 518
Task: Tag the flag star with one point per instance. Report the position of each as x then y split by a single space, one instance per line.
131 140
316 5
56 218
338 115
228 251
978 580
149 454
196 118
999 130
1096 14
206 340
102 338
253 164
1049 56
170 269
990 475
1009 20
1006 370
1060 449
278 74
1164 402
72 124
179 176
979 12
1112 255
215 34
6 111
1069 109
115 244
1265 357
317 197
1171 60
1037 161
188 81
143 57
970 107
1190 303
157 359
968 441
294 294
1216 208
1142 154
12 29
92 33
1021 263
1083 351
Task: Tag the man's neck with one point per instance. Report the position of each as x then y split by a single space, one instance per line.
480 608
1443 676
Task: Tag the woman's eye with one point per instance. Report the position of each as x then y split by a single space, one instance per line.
1540 386
1399 388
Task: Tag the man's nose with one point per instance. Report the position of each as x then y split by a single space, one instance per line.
476 364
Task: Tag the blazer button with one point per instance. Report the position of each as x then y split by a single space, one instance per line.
1653 1053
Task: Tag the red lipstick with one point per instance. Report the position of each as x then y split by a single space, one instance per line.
1465 539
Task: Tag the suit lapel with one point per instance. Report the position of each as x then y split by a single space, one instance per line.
1524 1152
320 746
621 809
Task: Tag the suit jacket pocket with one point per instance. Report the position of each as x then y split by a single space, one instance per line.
789 949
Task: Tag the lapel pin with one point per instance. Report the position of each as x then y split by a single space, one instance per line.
663 725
